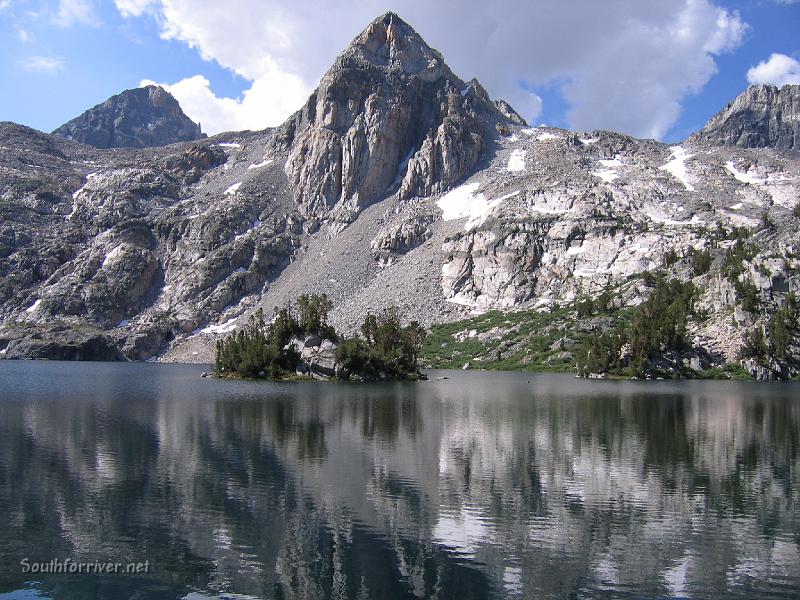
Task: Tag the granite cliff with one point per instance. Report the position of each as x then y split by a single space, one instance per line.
764 116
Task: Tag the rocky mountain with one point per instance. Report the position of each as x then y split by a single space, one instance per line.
764 116
139 118
397 183
389 112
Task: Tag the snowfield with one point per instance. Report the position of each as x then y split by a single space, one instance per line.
677 166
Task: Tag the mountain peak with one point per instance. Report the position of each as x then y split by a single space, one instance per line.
392 44
136 118
762 116
388 117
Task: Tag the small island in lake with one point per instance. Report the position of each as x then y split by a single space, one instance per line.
299 342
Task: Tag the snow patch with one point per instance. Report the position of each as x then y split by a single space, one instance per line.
229 145
463 202
220 329
749 177
588 141
516 162
233 189
79 191
695 220
266 162
610 163
573 250
76 194
240 270
34 307
736 206
607 175
542 137
123 323
677 166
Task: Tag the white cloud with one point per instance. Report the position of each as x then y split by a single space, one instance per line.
258 108
43 64
75 12
133 8
4 4
779 70
22 34
620 64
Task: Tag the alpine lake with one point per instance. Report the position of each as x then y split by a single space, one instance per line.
470 485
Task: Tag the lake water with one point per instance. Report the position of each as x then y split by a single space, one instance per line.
484 485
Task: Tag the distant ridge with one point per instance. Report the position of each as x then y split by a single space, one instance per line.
138 118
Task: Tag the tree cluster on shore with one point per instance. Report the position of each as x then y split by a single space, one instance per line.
384 350
658 326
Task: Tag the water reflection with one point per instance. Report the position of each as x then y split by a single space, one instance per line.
485 485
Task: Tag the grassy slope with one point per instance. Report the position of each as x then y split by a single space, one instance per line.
528 340
523 340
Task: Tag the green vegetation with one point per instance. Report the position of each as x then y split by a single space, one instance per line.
775 343
748 295
701 261
260 349
733 263
523 340
264 350
387 350
657 326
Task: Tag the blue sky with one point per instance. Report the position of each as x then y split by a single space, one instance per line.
652 69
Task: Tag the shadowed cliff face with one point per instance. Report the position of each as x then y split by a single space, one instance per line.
138 118
763 116
389 112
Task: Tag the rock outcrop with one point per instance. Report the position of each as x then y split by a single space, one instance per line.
138 118
390 110
764 116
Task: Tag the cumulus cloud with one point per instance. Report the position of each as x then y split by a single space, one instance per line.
43 64
259 107
778 70
620 64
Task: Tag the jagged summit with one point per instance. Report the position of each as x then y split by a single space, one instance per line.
763 116
389 112
391 43
138 118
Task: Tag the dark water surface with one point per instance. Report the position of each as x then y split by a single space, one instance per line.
485 485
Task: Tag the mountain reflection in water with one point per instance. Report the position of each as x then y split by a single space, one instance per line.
483 485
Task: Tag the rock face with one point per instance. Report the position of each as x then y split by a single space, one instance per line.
396 184
139 118
764 116
389 111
